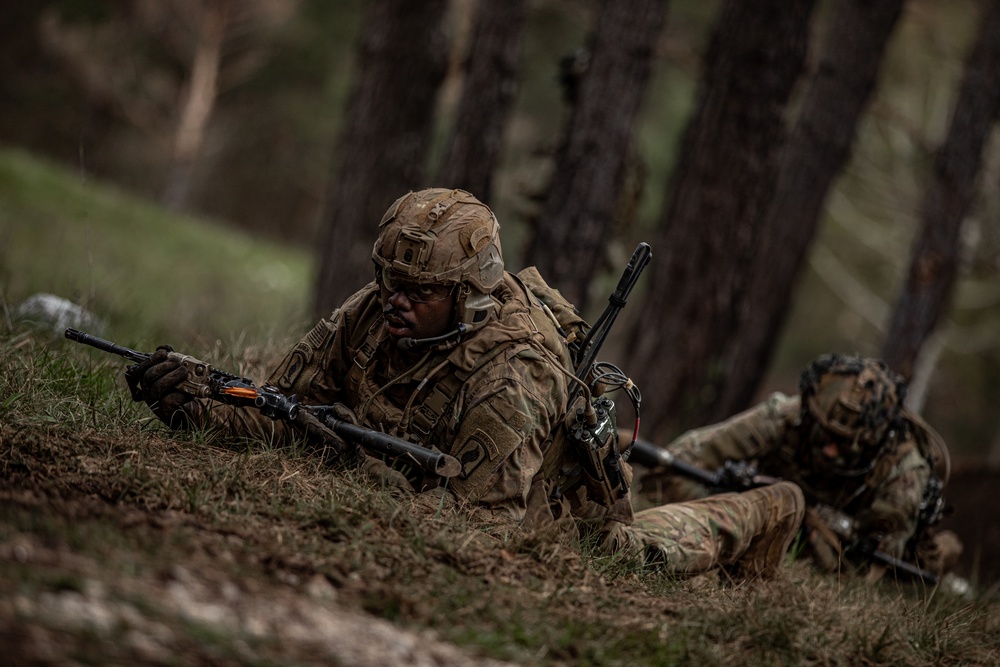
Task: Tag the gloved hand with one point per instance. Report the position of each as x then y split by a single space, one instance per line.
335 449
155 381
344 413
377 471
822 543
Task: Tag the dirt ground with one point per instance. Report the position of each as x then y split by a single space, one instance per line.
94 569
136 549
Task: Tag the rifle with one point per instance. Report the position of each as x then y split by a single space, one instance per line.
203 381
593 430
740 476
732 476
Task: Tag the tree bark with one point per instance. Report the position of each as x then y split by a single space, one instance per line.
473 149
712 225
383 148
819 146
202 92
927 292
579 211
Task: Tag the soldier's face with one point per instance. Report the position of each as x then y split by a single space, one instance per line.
413 313
835 452
829 449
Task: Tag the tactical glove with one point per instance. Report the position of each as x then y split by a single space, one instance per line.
155 381
939 551
822 543
334 449
377 471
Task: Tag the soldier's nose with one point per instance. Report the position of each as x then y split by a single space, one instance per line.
399 300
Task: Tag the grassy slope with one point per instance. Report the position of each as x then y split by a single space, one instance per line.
122 543
146 272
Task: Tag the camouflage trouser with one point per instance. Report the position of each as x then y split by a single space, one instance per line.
749 530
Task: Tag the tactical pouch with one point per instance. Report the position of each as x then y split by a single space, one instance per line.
593 434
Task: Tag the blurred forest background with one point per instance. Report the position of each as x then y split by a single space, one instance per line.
813 175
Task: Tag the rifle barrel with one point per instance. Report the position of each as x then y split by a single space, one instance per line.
381 443
900 565
105 345
647 454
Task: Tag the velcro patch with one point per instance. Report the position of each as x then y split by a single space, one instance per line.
318 335
477 448
484 442
294 364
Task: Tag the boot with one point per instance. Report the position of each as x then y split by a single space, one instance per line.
778 510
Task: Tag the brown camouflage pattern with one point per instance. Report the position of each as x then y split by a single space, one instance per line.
441 236
886 501
746 533
500 426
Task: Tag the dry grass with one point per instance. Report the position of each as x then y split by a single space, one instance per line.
123 543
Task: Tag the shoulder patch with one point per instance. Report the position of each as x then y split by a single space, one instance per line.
294 364
302 354
483 443
318 335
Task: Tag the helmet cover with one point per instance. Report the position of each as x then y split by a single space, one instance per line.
853 399
441 236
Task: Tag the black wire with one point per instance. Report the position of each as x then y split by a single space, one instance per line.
614 379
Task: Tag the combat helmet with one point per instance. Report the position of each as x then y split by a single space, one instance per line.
444 237
853 403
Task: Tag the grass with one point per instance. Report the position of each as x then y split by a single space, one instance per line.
124 543
145 534
150 275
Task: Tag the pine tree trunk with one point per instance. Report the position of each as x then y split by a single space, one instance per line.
588 183
927 293
383 149
817 150
712 225
202 92
473 149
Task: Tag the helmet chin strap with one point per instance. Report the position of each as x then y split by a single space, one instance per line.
407 344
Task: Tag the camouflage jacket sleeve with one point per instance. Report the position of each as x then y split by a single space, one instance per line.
509 411
895 507
745 436
313 371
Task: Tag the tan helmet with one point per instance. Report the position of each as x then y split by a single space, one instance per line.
441 236
853 400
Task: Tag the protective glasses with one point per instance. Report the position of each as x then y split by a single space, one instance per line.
414 292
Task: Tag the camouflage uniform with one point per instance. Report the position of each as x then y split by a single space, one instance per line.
496 399
884 497
499 426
